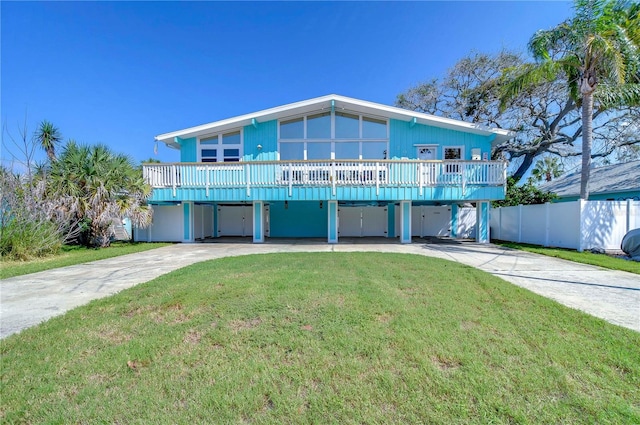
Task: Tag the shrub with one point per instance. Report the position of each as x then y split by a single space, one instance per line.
24 240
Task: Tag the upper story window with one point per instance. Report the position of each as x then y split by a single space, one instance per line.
319 126
338 135
340 125
347 126
452 153
373 128
224 147
292 129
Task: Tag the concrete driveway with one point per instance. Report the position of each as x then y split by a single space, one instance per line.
28 300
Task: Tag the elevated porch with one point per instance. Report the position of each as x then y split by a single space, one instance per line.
327 180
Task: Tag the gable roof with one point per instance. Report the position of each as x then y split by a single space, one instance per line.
339 102
610 179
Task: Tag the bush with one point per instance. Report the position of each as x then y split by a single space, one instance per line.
21 240
525 194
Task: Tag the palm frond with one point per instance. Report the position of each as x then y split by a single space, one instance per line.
520 79
617 95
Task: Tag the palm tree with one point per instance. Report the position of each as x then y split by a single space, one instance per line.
99 187
597 52
48 137
547 169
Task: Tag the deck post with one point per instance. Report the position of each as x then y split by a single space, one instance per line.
482 221
405 221
454 220
332 228
258 219
187 221
214 223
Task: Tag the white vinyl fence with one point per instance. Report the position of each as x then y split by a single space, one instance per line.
580 225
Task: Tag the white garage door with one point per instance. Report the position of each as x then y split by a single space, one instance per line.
202 221
428 221
167 224
374 221
235 220
436 221
362 221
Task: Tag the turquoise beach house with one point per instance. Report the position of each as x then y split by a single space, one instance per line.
327 167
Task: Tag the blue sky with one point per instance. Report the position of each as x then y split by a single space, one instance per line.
121 73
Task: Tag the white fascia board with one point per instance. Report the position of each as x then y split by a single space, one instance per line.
243 120
421 118
341 102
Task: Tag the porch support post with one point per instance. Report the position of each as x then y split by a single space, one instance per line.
482 221
215 221
258 219
454 220
332 230
391 220
405 221
187 221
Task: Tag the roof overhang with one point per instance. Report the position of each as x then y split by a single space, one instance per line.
328 102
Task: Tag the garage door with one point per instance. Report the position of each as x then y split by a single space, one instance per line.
167 225
235 220
431 220
362 221
202 221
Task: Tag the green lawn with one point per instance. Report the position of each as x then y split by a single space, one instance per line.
322 338
72 255
600 260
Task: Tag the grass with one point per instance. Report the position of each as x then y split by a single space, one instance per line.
322 338
600 260
72 255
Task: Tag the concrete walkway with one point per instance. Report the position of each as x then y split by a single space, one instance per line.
28 300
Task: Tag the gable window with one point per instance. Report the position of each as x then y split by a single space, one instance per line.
319 126
333 135
373 128
292 129
225 147
347 126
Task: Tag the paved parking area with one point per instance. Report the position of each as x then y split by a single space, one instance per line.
28 300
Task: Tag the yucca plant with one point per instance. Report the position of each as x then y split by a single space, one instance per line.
48 136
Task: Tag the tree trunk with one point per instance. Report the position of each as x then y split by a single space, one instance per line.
526 163
587 136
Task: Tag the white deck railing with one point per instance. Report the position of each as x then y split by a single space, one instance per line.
406 173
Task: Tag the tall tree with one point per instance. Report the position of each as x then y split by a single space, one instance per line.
48 137
597 53
100 188
545 120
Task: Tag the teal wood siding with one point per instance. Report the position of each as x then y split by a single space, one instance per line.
403 137
266 135
429 194
189 150
298 219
